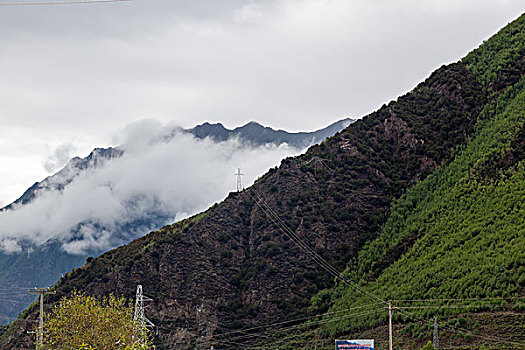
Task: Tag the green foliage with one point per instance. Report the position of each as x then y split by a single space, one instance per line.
454 234
500 61
421 199
320 302
83 322
428 346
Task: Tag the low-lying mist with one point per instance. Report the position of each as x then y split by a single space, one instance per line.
156 178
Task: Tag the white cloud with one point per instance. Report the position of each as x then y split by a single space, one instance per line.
10 246
249 13
174 177
60 157
293 64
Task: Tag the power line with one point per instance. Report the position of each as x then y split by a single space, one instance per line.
285 325
323 263
291 321
73 2
14 301
13 293
459 299
443 307
261 334
14 319
264 334
291 339
422 320
307 250
452 328
459 329
319 323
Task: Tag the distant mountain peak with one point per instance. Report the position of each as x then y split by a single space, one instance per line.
252 124
41 264
257 134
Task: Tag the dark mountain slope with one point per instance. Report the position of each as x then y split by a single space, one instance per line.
231 267
42 265
455 241
460 233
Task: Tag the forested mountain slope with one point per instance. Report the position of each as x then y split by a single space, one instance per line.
454 245
421 199
459 234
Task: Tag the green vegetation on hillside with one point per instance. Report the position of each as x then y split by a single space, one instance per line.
422 199
460 233
456 234
500 61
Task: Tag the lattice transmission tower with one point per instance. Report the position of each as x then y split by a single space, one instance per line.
435 341
239 180
139 317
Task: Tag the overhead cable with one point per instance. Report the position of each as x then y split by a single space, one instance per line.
73 2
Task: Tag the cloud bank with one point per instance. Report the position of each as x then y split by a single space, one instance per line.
155 179
86 70
60 157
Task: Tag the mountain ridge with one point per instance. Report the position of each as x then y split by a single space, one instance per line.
237 265
349 181
257 134
43 265
215 131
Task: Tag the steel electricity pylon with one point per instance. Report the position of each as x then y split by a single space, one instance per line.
139 318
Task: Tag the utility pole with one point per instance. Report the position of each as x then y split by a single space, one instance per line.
436 333
40 332
239 180
389 325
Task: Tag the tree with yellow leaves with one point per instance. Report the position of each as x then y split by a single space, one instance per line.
83 322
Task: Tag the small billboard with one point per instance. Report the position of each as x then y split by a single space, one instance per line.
361 344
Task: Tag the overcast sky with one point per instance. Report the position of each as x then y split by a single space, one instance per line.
73 76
